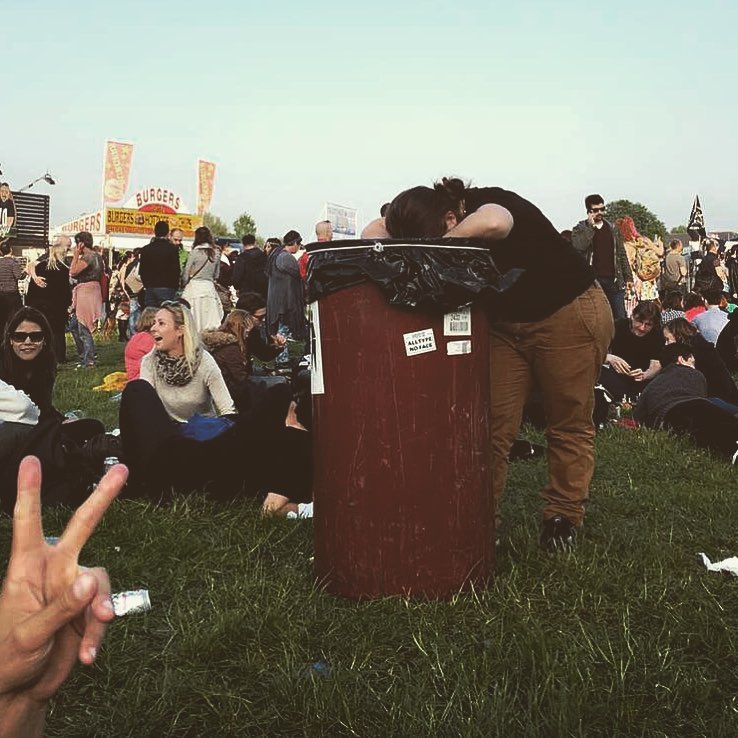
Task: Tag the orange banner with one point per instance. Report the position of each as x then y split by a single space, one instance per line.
116 170
205 184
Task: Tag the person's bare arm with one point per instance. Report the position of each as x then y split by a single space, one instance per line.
78 264
489 221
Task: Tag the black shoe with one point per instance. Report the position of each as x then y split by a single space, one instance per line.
558 534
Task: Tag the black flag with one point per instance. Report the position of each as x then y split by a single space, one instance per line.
696 225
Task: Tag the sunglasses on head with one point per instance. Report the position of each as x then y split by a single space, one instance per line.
176 302
23 336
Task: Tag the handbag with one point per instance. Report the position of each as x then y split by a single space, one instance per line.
133 281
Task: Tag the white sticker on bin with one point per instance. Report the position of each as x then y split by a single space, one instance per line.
457 323
419 342
454 348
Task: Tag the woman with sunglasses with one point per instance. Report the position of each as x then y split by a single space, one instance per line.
179 426
28 358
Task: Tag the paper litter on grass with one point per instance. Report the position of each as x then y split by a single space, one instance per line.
729 565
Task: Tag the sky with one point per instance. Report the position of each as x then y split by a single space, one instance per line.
301 103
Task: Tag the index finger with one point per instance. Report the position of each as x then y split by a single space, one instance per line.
27 531
89 514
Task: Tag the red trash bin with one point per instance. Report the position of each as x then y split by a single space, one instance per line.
400 416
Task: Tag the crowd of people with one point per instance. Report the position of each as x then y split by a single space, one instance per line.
587 323
196 411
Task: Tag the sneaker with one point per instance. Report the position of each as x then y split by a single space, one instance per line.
558 534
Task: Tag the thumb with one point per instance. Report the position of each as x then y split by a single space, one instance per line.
37 630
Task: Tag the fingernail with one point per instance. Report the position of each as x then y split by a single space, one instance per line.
82 587
107 604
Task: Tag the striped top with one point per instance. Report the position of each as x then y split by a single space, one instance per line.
10 272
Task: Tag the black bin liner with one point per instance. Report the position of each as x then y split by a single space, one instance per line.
433 275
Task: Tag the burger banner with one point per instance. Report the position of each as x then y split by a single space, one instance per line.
116 171
205 183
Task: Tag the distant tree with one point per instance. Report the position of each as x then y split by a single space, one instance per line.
646 222
216 225
679 229
243 225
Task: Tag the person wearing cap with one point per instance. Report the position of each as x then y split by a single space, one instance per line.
286 300
86 268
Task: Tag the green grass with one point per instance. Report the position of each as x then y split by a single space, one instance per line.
628 636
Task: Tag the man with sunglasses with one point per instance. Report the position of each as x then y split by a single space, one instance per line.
601 244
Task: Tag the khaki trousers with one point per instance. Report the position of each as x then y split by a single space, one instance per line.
563 354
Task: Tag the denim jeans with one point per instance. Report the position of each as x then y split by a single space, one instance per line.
156 295
283 357
83 341
615 296
134 312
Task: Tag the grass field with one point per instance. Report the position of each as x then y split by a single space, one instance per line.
628 636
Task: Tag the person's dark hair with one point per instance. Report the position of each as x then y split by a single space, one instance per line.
5 248
85 238
291 238
161 229
35 378
202 235
250 302
712 297
674 244
593 199
673 301
693 300
648 310
248 240
383 210
672 351
420 212
682 330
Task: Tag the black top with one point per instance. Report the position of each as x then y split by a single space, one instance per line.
58 292
554 274
637 351
674 384
159 264
248 272
7 210
94 269
708 361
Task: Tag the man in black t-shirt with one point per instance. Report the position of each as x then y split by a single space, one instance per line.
601 244
633 358
551 326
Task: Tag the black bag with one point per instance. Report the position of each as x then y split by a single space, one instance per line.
67 476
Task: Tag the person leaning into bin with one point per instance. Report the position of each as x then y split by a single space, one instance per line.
552 326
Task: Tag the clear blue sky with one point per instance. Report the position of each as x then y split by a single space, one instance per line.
303 102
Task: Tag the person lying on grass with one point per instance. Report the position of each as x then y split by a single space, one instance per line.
677 400
180 429
53 611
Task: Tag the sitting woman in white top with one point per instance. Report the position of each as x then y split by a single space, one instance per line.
179 427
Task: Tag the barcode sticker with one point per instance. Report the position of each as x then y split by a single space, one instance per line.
457 323
455 348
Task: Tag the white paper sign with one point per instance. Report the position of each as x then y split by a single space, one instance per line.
458 323
316 359
454 348
419 342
